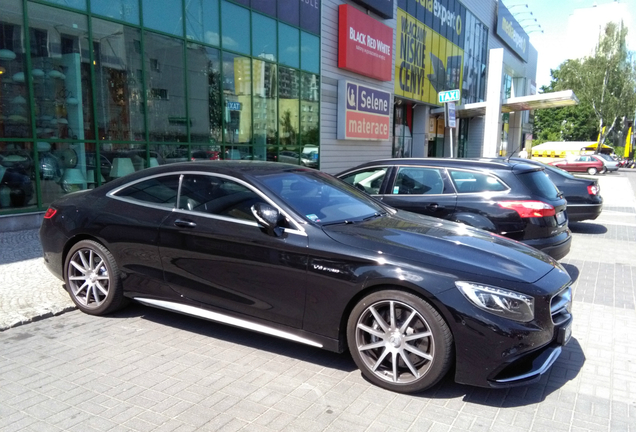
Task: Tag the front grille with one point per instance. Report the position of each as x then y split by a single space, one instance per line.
560 306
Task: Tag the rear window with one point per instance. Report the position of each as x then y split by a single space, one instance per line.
539 184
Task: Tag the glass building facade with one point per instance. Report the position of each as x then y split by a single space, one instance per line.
93 90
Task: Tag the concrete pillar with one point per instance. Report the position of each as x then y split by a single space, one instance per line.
420 128
492 131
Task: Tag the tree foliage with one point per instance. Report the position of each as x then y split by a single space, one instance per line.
605 84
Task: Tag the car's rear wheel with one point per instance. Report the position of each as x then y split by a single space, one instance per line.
399 341
592 170
93 279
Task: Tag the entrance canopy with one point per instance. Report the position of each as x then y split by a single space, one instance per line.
521 103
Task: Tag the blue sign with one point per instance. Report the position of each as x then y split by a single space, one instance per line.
366 99
233 106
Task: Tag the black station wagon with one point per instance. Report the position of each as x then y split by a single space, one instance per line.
510 198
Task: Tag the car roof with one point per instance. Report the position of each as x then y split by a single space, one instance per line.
474 163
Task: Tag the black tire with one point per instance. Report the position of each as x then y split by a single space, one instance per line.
592 170
375 346
93 279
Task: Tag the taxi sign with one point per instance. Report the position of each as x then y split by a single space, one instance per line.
448 96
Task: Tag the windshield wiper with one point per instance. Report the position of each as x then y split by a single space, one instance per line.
374 215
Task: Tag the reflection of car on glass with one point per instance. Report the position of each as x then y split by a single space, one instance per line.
582 194
295 253
583 163
297 159
512 199
16 187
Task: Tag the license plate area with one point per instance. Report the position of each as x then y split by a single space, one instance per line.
560 217
565 334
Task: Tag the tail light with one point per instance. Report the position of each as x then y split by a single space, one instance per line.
50 213
529 209
593 189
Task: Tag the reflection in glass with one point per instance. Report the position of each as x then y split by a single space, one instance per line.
264 111
263 37
288 93
15 114
309 52
202 21
16 173
163 15
204 98
288 40
76 4
237 91
61 73
309 118
236 31
122 10
118 81
165 89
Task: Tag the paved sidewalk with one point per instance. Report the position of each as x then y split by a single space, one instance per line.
145 369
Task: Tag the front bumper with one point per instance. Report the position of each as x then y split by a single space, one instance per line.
496 352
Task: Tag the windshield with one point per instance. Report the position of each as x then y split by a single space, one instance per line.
321 198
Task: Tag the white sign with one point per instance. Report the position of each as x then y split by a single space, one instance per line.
448 96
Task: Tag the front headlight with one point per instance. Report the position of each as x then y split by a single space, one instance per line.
498 301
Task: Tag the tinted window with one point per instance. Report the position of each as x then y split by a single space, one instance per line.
368 180
475 182
217 196
539 184
157 190
418 181
321 198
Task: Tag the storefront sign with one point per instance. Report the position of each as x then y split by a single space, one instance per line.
364 112
384 8
365 45
511 32
426 62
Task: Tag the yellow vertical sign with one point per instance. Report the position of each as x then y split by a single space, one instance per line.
425 62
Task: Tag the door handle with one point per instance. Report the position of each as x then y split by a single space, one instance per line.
433 206
184 223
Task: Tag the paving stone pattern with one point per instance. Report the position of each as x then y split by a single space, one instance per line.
150 370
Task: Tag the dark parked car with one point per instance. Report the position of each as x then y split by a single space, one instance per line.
295 253
582 194
590 164
512 199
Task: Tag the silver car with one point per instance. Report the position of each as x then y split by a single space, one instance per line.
611 165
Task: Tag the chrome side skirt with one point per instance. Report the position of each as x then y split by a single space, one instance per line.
225 319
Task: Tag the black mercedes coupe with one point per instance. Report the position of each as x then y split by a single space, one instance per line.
296 253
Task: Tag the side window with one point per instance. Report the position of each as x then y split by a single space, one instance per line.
475 182
217 196
368 180
418 181
157 190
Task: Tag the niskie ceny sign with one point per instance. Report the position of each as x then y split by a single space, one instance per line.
429 49
364 113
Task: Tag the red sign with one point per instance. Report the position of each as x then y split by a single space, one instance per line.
365 46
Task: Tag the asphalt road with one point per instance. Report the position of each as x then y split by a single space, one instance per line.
145 369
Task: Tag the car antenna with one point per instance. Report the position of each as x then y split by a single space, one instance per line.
510 155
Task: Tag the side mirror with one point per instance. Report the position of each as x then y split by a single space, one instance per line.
268 218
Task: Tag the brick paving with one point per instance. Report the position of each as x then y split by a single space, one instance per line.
150 370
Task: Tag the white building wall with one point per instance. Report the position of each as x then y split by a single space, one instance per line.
338 155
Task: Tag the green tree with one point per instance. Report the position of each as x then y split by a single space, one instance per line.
604 82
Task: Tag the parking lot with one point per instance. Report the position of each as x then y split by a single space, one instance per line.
146 369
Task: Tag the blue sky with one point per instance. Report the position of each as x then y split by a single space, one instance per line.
553 16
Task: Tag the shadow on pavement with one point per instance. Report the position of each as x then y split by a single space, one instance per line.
240 336
572 270
565 368
587 228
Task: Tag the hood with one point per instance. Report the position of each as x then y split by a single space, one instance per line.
439 244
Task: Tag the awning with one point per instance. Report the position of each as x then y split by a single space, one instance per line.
521 103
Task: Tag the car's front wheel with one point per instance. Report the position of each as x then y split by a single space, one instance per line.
592 170
93 279
399 341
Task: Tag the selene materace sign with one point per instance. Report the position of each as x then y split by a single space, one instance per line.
364 113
